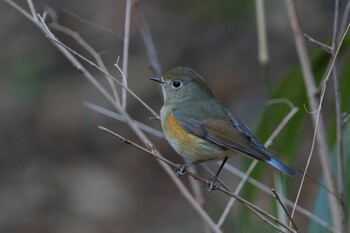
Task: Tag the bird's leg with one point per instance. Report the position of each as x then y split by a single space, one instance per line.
181 169
211 185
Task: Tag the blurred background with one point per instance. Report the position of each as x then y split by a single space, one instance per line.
60 173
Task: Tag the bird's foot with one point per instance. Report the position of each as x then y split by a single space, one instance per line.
211 185
180 170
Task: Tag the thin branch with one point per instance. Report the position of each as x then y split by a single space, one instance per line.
93 24
183 190
32 10
317 120
324 46
126 50
67 53
106 74
284 208
338 112
346 119
197 191
204 181
231 169
264 213
147 151
281 126
251 167
344 20
93 53
290 203
135 129
23 12
121 118
147 40
181 187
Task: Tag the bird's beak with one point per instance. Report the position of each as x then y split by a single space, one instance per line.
158 79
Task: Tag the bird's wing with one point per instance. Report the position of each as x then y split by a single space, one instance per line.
231 134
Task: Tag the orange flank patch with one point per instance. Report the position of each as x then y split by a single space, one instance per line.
188 145
178 135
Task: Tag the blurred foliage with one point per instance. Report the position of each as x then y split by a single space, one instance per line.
322 210
224 10
28 77
287 143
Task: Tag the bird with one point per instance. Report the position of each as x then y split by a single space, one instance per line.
200 128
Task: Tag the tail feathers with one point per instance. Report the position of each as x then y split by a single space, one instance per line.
281 166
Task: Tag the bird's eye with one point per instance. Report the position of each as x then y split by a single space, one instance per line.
177 84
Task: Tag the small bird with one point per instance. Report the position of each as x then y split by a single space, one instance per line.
200 128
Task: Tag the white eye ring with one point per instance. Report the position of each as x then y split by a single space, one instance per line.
176 84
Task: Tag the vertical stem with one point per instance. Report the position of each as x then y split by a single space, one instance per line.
344 20
339 123
126 50
317 119
148 41
261 31
263 53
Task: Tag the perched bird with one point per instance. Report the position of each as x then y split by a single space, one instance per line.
200 128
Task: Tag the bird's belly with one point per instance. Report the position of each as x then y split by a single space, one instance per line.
188 145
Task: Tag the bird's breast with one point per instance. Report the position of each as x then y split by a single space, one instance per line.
186 144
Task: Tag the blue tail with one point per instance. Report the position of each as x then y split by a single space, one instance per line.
281 166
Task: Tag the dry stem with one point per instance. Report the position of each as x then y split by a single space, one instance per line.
317 120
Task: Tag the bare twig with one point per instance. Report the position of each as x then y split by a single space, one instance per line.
231 169
338 111
204 181
140 134
284 208
324 46
126 50
344 20
346 119
106 74
75 62
264 213
93 53
23 12
67 52
317 120
147 40
197 191
288 202
32 10
93 24
251 167
147 151
181 187
120 117
134 125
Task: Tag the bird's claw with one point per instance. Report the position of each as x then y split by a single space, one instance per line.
180 170
211 185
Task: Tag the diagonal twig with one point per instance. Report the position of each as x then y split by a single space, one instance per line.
284 208
251 167
93 53
204 181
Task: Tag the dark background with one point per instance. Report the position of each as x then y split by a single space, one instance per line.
59 172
